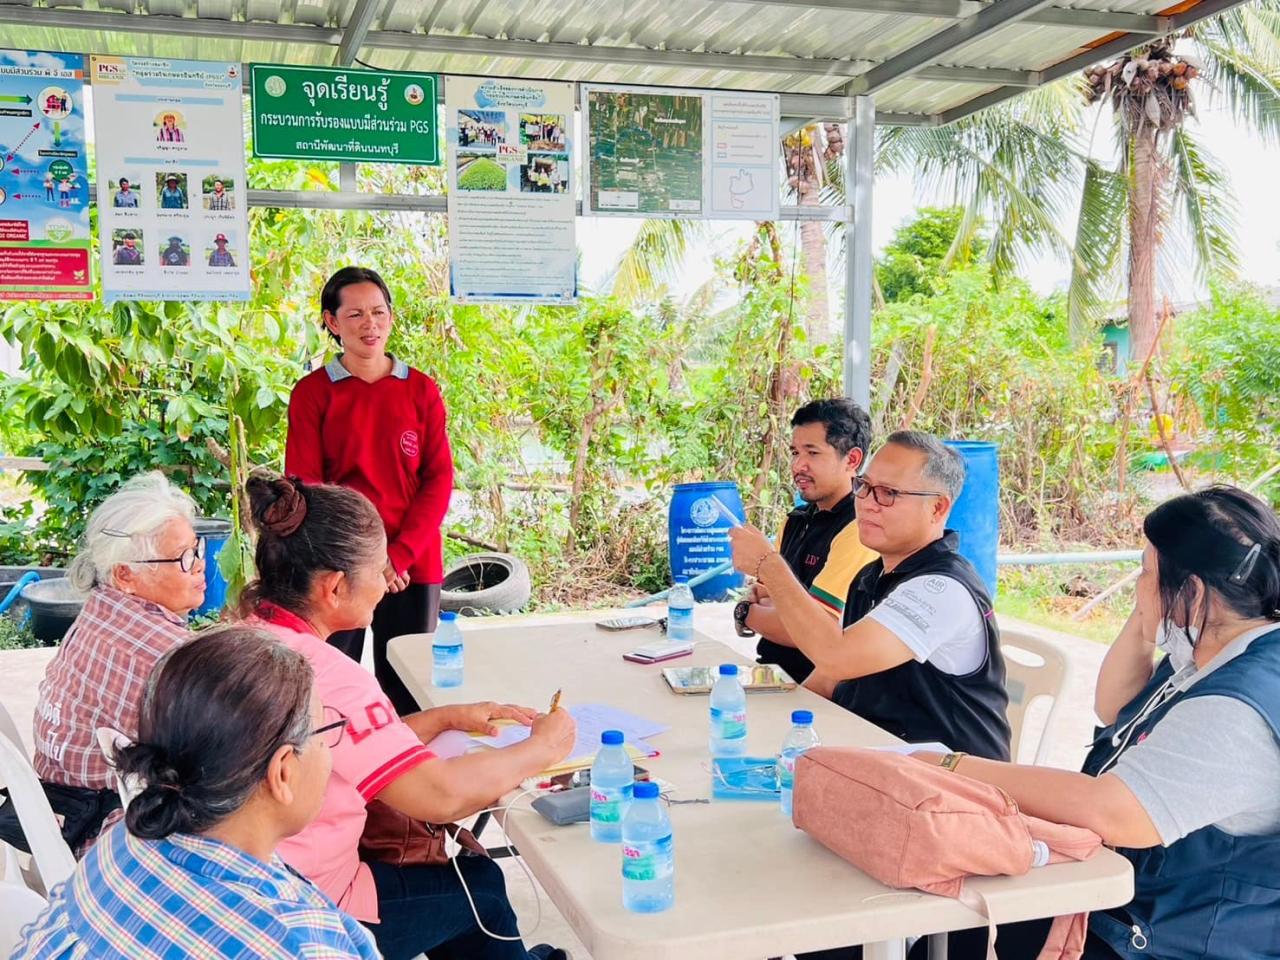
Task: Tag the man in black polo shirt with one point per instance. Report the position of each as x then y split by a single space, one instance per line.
819 541
919 655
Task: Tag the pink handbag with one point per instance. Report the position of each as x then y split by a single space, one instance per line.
912 824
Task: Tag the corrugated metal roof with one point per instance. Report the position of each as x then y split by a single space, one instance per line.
789 46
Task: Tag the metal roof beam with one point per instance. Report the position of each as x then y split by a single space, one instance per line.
356 31
634 56
1180 21
988 20
980 75
1104 20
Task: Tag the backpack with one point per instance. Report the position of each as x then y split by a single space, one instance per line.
912 824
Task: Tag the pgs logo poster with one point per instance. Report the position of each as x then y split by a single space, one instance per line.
44 178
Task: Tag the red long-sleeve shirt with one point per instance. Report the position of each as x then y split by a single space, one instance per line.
388 441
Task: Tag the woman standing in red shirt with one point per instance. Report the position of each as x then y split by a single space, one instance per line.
370 422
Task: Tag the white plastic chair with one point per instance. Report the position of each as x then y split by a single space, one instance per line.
109 741
9 729
53 859
1036 669
21 906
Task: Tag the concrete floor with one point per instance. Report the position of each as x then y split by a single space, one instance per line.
1069 736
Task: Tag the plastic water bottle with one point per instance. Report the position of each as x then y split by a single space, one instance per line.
648 864
728 714
680 612
801 738
612 779
446 652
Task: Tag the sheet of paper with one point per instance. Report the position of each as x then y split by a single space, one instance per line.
451 743
592 720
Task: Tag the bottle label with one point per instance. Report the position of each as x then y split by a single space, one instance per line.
729 724
607 803
446 656
786 770
648 859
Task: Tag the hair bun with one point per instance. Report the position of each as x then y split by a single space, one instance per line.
285 514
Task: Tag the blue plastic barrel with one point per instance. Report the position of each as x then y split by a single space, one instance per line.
699 535
215 533
976 512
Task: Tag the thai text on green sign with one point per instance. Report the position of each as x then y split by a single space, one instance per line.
319 113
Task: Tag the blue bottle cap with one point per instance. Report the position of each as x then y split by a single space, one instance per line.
802 716
645 790
728 669
612 738
448 616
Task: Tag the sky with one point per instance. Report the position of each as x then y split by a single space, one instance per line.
1249 162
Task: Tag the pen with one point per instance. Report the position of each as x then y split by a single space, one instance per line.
555 702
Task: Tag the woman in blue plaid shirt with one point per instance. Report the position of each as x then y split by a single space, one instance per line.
233 756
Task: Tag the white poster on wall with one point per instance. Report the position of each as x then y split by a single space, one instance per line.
511 191
172 222
680 153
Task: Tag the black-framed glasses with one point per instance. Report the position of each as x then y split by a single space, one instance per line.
886 496
187 560
331 727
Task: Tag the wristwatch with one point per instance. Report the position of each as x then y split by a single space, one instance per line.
741 611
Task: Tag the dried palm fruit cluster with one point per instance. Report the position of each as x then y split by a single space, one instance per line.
1151 87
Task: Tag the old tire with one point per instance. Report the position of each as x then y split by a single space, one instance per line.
486 583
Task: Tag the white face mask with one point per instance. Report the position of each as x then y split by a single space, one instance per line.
1177 642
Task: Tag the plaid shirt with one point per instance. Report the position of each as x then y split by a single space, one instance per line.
96 680
188 896
220 202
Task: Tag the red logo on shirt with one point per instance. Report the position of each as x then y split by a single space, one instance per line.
409 443
377 715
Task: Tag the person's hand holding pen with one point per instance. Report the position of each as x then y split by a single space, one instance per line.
556 730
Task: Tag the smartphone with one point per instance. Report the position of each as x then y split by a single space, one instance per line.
626 623
658 652
582 778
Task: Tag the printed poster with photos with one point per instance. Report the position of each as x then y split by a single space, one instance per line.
45 248
681 153
172 220
511 191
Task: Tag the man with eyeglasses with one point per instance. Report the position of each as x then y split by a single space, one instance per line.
919 652
819 540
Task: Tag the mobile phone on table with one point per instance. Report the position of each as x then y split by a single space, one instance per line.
658 652
582 778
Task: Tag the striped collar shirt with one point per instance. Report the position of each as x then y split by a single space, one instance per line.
188 897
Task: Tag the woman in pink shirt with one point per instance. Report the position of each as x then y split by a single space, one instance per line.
320 556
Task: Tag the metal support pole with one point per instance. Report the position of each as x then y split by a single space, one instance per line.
859 185
347 177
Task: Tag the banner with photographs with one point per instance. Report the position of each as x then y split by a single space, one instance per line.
511 191
172 194
44 178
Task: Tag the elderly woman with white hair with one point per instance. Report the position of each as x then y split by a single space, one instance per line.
142 566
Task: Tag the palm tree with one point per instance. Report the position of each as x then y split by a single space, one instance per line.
1023 165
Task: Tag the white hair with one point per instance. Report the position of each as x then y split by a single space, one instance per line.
125 528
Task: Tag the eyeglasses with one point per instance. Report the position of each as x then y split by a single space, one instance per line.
331 727
188 558
886 496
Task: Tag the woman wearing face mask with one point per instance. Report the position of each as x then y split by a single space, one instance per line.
1185 778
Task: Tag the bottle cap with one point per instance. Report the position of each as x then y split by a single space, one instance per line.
612 738
802 716
728 669
448 616
645 790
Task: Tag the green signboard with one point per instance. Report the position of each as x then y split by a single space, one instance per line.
319 113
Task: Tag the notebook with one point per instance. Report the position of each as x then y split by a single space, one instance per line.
757 678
